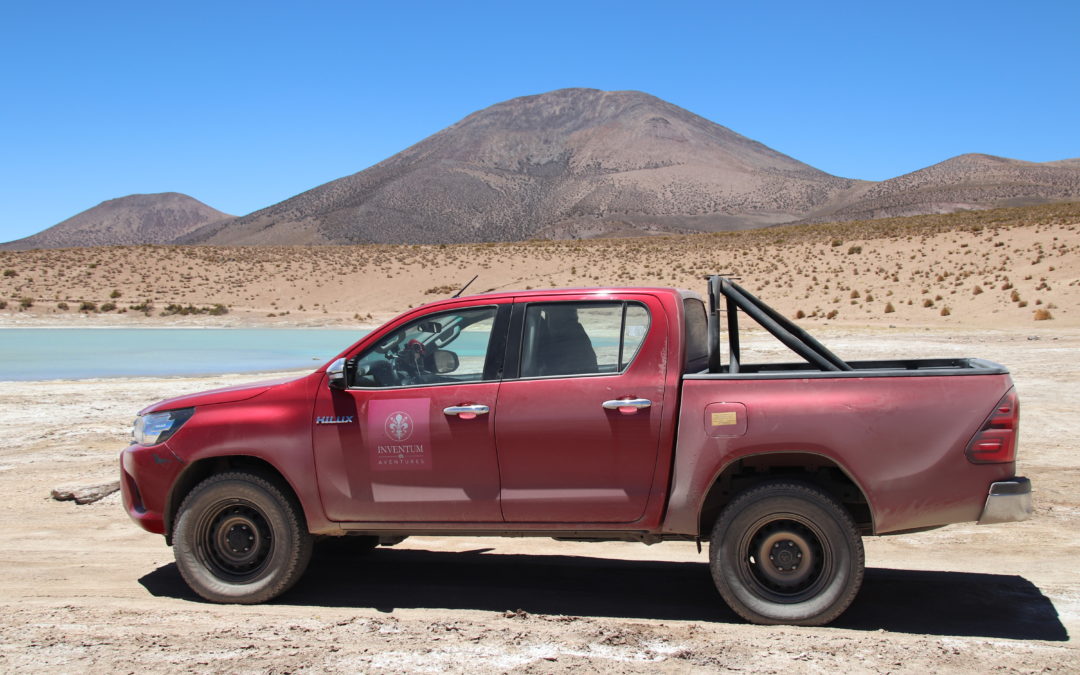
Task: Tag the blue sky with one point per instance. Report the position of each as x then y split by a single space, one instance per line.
243 104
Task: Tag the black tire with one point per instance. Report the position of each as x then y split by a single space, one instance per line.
240 539
815 565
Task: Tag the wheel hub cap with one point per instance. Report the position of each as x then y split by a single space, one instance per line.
233 540
784 557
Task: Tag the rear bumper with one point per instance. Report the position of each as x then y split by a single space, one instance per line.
1008 501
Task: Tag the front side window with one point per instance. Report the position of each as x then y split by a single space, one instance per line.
445 348
581 338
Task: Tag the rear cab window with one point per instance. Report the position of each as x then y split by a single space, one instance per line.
581 338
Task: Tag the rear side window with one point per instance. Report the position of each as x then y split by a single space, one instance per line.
581 338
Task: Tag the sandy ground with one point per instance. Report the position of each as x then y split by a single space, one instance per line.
84 590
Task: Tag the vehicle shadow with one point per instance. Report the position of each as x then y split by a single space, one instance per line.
904 601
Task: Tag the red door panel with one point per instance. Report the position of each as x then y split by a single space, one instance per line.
400 458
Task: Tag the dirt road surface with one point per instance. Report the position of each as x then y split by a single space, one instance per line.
83 590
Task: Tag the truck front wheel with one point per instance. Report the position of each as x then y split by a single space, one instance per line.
240 539
786 553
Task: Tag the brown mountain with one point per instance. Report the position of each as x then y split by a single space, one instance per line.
570 163
573 162
135 219
965 182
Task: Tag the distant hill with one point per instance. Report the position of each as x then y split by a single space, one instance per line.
966 182
588 163
135 219
573 162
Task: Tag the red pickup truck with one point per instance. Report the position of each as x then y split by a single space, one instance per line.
583 414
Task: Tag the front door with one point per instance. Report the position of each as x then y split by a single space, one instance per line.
412 438
568 451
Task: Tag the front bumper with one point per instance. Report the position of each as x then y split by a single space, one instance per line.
146 476
1009 501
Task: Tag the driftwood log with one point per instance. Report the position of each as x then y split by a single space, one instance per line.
86 495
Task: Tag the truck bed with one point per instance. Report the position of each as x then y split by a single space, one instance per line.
859 369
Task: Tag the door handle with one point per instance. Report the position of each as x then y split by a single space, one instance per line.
627 406
467 412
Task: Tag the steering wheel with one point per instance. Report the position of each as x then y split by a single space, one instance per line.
410 362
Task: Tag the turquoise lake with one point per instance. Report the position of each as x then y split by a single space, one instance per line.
78 353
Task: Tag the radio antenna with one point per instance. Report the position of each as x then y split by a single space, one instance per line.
464 287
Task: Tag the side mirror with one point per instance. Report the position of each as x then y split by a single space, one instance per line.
444 361
430 327
335 375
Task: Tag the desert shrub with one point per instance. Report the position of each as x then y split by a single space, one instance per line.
854 250
837 242
173 308
62 306
1015 296
3 304
889 309
26 303
800 314
928 303
945 311
1042 315
115 294
832 314
1022 303
977 290
108 306
854 294
10 273
185 310
86 306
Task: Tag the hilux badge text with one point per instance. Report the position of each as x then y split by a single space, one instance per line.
326 419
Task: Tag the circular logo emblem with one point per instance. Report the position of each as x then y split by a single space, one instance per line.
398 426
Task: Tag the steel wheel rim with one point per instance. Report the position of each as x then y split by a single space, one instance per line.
785 558
233 540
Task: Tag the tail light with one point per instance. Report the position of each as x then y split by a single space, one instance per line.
996 440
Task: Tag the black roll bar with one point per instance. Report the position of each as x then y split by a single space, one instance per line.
795 338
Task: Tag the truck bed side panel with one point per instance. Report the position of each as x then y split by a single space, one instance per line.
901 439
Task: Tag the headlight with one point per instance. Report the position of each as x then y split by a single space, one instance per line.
158 427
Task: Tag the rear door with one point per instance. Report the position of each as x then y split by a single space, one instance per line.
579 410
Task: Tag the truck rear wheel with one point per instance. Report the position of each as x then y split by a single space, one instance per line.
786 553
240 539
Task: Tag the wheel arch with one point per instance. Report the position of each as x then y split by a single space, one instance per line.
814 468
201 469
